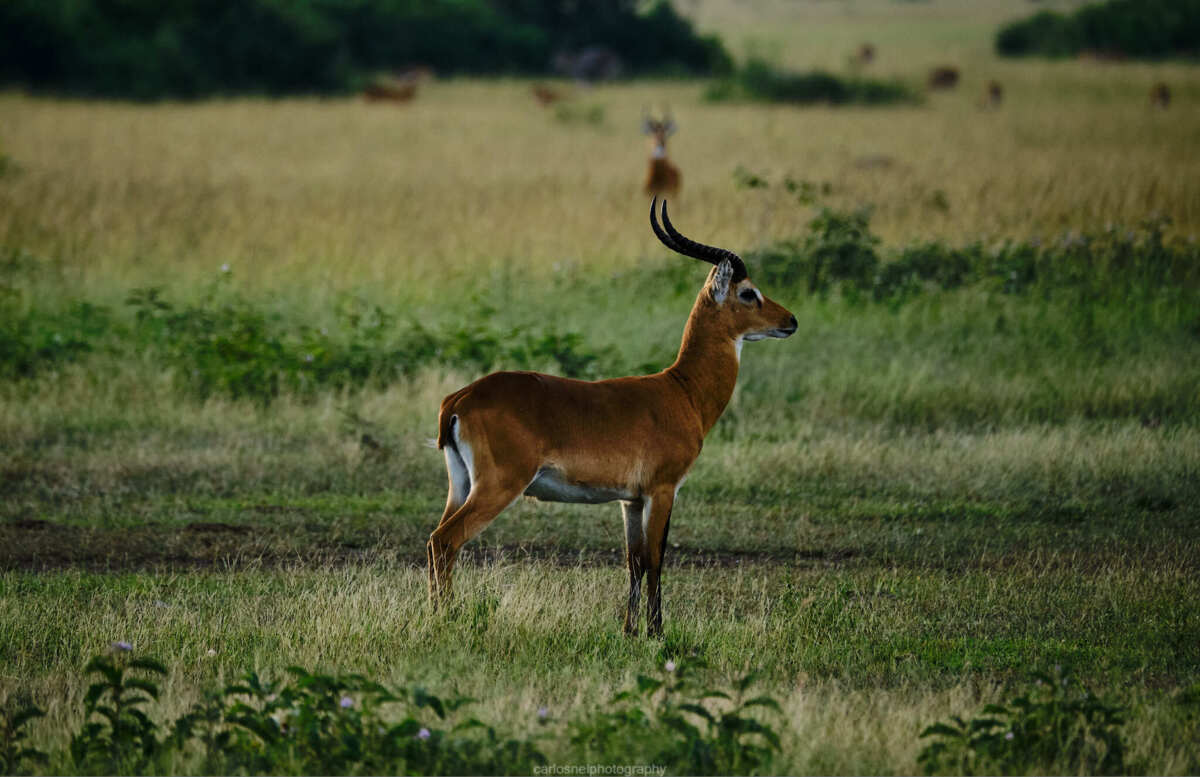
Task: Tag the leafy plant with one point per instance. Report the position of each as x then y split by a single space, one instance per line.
118 736
225 346
839 249
1059 726
320 723
15 756
673 721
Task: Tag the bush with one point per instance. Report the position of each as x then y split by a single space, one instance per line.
760 80
145 49
1133 28
689 729
225 346
314 723
840 252
118 737
15 757
1059 727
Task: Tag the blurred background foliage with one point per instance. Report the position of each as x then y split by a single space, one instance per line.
149 49
1149 29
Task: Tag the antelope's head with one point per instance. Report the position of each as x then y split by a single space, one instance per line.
658 131
734 306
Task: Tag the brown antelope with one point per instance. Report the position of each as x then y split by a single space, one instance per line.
399 88
545 95
1160 96
993 95
630 440
865 54
662 177
943 77
390 90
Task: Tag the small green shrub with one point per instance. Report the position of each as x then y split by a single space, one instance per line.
760 80
15 756
839 249
1058 727
227 347
325 724
118 737
32 342
689 729
1132 268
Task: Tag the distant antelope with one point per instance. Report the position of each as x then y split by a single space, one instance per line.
662 177
943 77
630 440
546 95
399 88
1160 96
865 54
391 91
993 94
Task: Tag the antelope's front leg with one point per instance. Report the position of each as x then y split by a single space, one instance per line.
635 552
658 521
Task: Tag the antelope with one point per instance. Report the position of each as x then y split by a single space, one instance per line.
993 95
1160 96
391 90
865 54
398 88
943 77
662 177
546 95
631 440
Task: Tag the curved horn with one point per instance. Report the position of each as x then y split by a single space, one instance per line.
680 244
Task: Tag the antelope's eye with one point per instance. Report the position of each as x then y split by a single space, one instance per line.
748 296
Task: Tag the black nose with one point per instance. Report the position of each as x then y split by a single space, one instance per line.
795 324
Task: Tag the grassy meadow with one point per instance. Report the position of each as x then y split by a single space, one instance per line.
906 509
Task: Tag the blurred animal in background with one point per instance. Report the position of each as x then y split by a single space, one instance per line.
397 87
865 54
547 95
590 65
993 94
943 77
1160 96
662 177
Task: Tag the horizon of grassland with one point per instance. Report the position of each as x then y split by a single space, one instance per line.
905 510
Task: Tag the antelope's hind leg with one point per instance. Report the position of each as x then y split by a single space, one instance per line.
485 502
459 488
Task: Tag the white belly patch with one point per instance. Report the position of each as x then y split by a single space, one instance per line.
551 486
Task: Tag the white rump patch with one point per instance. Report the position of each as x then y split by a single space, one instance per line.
462 457
460 479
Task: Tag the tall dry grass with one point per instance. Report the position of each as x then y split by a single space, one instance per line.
316 195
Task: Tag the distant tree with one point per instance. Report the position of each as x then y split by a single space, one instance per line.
1130 28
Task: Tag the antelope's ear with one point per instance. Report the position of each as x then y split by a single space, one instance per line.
718 285
647 126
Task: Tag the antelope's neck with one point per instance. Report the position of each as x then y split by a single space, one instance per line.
707 369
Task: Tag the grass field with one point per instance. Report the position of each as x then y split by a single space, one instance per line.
906 509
